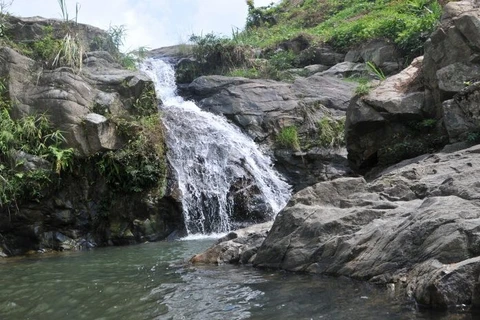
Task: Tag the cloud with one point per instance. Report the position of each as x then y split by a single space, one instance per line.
151 23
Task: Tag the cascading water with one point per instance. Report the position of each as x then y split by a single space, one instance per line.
206 152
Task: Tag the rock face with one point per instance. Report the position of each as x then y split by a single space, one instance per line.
436 95
262 108
384 55
392 122
415 226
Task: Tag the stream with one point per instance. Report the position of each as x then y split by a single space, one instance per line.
151 281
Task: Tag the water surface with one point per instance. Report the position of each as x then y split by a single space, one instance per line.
150 281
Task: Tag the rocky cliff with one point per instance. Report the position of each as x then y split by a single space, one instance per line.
97 172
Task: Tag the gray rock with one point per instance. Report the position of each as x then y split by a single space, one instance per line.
101 134
262 108
67 98
456 121
384 55
238 246
415 225
347 69
380 120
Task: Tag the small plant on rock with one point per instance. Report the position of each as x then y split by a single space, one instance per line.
288 138
331 132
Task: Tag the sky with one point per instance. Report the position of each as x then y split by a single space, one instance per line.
150 23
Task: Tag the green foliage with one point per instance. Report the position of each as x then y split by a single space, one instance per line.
260 16
288 138
47 47
344 23
282 60
141 164
363 89
214 55
33 136
331 132
473 137
66 51
146 103
117 35
376 71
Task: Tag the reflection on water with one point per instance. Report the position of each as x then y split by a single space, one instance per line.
151 282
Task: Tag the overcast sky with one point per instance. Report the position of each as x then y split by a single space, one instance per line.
151 23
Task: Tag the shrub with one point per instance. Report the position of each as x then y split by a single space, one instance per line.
34 136
141 163
288 138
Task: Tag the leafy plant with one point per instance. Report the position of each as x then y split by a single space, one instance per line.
141 164
376 70
147 103
288 138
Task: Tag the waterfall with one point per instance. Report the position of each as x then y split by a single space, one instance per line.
209 156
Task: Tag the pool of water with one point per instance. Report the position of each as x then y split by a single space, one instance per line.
151 281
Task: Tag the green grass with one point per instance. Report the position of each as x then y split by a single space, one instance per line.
341 24
288 138
346 23
331 132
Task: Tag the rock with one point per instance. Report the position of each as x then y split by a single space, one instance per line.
307 168
314 68
174 53
451 53
347 69
262 108
415 225
22 29
101 134
323 54
28 162
82 204
238 246
386 125
456 121
67 98
384 55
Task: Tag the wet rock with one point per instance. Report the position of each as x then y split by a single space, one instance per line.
238 246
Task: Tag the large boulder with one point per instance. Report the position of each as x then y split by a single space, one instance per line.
430 103
392 122
415 227
98 109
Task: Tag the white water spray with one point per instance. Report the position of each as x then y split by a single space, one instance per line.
206 151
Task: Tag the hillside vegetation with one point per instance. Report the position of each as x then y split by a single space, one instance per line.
262 49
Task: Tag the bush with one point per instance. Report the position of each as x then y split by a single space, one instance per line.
214 55
288 138
141 164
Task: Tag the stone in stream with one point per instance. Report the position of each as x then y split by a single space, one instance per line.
238 246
